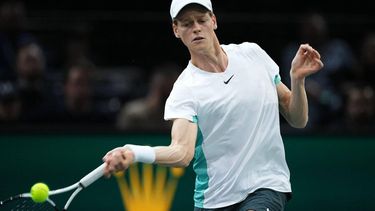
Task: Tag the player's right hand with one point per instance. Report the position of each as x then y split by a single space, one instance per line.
118 159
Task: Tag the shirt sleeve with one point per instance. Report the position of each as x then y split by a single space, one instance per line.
180 104
255 51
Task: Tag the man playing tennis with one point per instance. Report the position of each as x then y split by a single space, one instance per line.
225 110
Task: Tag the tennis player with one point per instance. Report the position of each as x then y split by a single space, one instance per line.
225 110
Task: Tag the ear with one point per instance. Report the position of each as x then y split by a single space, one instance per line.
175 30
214 21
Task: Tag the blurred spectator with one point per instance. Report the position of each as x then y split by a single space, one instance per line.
147 113
77 46
77 104
358 88
38 101
325 99
365 70
13 34
359 113
10 103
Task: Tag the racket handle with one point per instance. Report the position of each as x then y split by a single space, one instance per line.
93 176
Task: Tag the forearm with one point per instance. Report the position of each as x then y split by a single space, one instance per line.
293 103
298 105
173 155
181 150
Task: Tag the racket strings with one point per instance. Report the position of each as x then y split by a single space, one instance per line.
25 204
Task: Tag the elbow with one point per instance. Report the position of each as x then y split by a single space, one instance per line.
184 158
301 123
299 126
185 161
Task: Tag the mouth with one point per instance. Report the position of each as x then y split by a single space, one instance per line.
197 39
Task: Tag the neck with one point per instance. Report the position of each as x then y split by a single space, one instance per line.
212 59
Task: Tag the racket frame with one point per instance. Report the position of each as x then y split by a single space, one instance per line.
78 186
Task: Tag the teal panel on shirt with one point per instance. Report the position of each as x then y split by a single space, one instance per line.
200 168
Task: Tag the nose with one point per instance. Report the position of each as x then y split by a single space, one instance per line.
196 27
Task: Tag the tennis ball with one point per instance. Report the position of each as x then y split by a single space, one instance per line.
39 192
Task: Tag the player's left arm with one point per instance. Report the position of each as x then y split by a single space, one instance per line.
293 103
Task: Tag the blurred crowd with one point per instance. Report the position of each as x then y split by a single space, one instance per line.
341 96
79 92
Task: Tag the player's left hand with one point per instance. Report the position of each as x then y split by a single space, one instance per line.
306 62
118 159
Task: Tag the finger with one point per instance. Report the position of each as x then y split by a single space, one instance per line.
109 153
302 49
308 48
123 154
119 166
306 51
118 155
111 169
320 63
312 51
108 175
105 157
107 172
124 164
306 45
124 159
311 55
316 53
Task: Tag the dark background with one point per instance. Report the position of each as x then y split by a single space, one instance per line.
333 172
139 32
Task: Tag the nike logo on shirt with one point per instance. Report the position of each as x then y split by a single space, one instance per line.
226 82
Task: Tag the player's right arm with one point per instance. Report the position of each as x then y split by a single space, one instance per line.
178 154
181 150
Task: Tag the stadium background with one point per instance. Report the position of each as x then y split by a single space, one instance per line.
130 32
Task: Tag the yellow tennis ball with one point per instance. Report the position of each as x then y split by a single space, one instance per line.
39 192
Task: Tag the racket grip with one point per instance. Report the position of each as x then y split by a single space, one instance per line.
92 176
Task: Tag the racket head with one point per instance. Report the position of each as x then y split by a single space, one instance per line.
23 202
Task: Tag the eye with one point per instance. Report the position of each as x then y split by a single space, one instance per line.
202 20
186 23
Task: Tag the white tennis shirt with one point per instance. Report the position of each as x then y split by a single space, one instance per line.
239 146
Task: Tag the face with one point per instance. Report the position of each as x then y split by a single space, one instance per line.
77 86
195 28
30 61
10 110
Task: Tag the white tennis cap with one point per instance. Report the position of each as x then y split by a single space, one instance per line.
177 5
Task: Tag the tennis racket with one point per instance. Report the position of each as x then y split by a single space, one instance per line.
24 202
